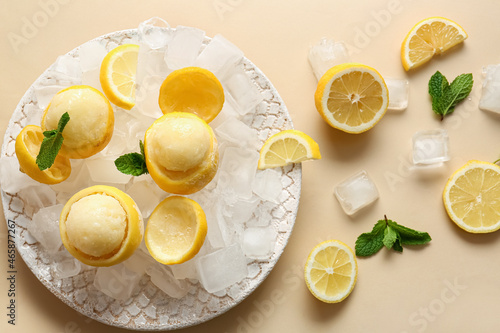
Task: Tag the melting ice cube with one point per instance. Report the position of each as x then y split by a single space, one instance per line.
44 94
105 171
91 55
399 91
490 96
162 277
326 54
356 192
235 131
37 197
65 265
222 268
239 168
219 56
430 147
116 281
11 179
155 32
267 185
146 195
243 93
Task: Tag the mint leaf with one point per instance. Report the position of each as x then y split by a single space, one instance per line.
390 237
141 146
370 243
437 85
397 244
446 96
51 144
131 164
410 236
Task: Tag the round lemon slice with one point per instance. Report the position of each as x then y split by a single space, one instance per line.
472 197
428 37
287 147
91 123
181 152
331 271
27 147
351 97
101 226
192 89
118 75
176 230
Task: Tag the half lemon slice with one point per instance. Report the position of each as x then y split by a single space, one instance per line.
428 37
287 147
118 73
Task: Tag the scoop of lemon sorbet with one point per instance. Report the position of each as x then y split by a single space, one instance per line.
96 225
180 144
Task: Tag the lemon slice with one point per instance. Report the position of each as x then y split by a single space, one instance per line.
331 271
192 89
287 147
351 97
101 226
117 76
91 123
472 197
176 230
27 147
428 37
181 151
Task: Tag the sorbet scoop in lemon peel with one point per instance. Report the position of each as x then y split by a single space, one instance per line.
181 152
101 226
176 230
352 97
92 120
192 89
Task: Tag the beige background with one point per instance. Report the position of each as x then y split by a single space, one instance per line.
451 285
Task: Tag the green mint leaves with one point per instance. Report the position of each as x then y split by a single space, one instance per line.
51 144
391 235
132 164
446 96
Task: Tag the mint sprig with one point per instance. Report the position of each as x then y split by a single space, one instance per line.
446 96
51 144
391 235
132 164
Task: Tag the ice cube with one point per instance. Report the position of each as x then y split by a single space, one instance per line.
116 145
267 185
263 215
70 67
116 281
151 67
44 227
65 265
184 47
258 243
91 78
147 94
243 93
33 114
430 147
399 90
222 268
326 54
490 95
77 180
105 171
155 32
242 210
238 167
228 111
140 261
44 94
162 277
186 270
91 55
11 178
234 131
356 192
146 195
214 220
36 197
219 56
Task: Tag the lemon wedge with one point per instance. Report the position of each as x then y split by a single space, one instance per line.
428 37
351 97
176 230
118 73
331 271
471 197
287 147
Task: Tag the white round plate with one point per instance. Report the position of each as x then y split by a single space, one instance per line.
149 308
